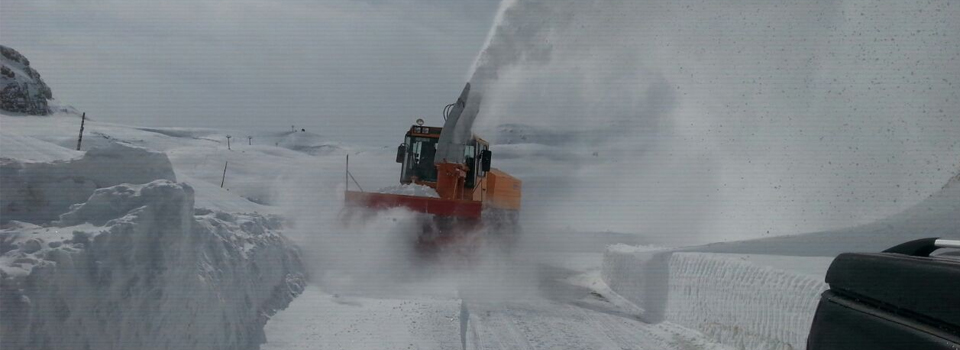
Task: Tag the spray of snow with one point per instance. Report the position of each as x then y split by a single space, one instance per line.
749 119
374 253
361 253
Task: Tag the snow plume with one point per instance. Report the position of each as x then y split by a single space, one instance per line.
373 253
701 120
368 253
361 253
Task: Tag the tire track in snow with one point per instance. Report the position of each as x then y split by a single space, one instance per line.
511 327
571 318
624 338
550 325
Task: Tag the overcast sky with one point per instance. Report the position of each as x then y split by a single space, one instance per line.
362 68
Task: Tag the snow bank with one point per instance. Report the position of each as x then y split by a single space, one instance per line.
137 267
411 190
735 299
39 192
741 303
640 275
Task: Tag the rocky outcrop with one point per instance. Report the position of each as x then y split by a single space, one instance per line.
21 89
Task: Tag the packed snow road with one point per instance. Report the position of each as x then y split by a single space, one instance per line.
551 325
566 309
317 320
573 310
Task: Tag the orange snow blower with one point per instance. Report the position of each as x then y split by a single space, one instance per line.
454 162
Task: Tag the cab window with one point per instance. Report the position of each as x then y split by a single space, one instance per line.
471 159
419 160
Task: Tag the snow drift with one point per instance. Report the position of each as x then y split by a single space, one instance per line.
133 266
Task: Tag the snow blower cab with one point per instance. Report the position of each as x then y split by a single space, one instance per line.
471 197
419 149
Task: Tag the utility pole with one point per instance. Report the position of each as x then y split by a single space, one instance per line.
249 140
228 141
83 120
224 178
